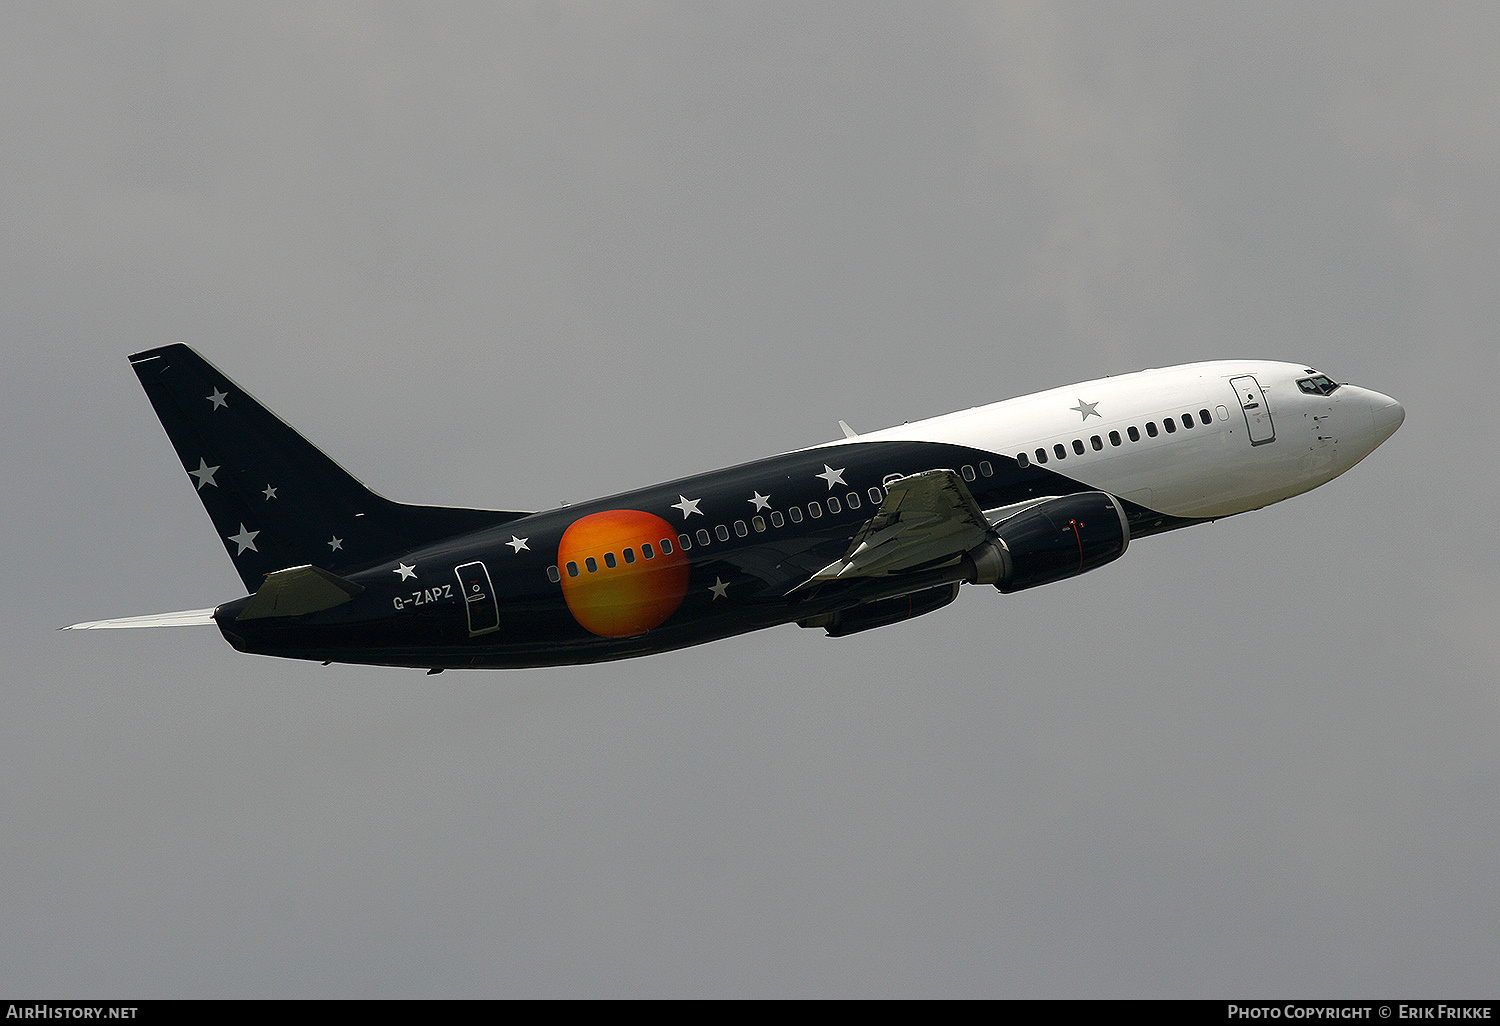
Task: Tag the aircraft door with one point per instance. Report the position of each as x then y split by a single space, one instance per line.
1257 413
479 598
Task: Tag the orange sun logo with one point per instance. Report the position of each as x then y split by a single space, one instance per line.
634 594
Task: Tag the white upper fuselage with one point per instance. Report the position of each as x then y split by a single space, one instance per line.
1300 439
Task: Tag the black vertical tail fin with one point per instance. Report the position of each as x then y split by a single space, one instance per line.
275 499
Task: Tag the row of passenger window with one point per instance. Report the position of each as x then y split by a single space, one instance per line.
1097 443
648 551
741 529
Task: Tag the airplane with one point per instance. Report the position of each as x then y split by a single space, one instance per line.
856 533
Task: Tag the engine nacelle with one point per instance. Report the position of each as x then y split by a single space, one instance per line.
1051 541
881 612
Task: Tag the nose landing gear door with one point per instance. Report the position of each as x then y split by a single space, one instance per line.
1257 413
479 598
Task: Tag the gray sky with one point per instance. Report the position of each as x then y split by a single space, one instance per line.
513 256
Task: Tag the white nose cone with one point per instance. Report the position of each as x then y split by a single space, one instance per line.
1387 417
1373 418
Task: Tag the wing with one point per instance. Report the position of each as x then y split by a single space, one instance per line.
926 520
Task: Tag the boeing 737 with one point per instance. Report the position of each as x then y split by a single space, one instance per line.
860 532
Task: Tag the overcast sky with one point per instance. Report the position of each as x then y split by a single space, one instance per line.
511 256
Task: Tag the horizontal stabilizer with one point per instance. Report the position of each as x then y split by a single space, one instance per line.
298 590
182 618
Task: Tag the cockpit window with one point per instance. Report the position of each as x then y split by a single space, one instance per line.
1320 384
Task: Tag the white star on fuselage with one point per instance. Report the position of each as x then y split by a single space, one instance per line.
245 540
204 474
688 506
335 543
719 588
518 544
832 476
269 493
761 501
218 399
405 571
1087 409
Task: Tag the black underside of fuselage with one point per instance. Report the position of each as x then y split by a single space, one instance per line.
751 573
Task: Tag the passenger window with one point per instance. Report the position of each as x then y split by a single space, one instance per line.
1135 436
1062 453
776 520
609 560
572 569
740 528
553 575
1170 425
1187 420
833 504
852 499
875 496
629 555
721 532
796 514
759 523
814 510
1041 455
683 542
985 470
1114 438
703 538
1078 446
648 551
968 472
592 564
1204 417
1022 460
1097 443
1151 428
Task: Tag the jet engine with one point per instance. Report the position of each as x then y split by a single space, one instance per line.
1051 541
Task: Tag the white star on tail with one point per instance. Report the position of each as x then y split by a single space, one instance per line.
245 540
205 474
218 399
335 543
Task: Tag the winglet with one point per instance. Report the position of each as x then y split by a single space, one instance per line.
848 431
